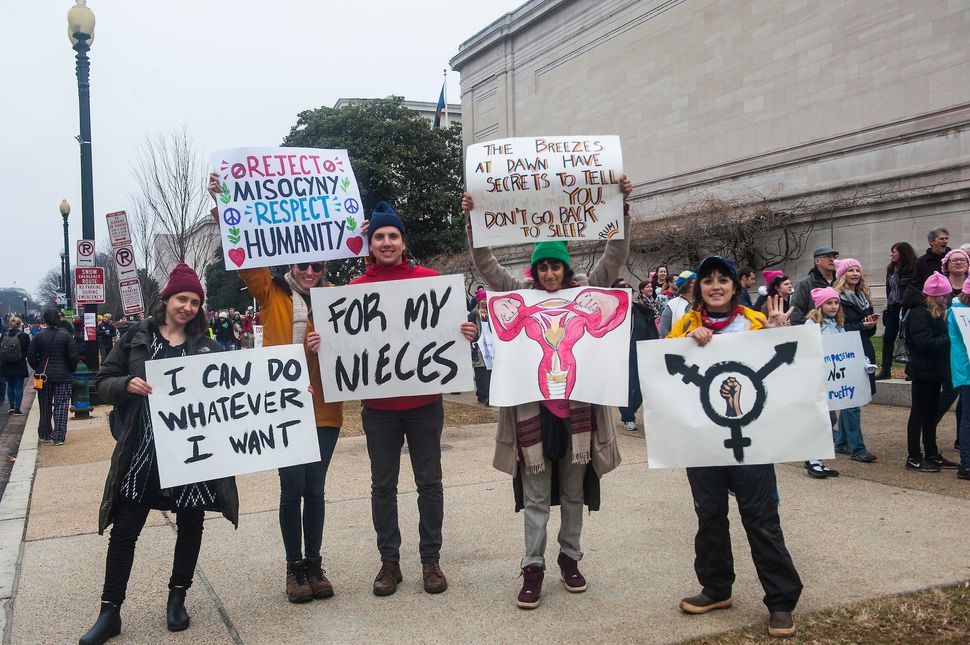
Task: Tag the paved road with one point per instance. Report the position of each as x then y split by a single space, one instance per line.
11 430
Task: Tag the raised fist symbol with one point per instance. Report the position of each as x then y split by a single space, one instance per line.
731 393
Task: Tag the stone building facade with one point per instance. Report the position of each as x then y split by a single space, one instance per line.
792 99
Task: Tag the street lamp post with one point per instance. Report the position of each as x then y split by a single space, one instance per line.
25 309
80 31
65 210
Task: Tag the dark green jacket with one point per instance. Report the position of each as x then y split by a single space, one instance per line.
125 362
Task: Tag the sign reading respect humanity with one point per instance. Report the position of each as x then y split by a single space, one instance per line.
531 189
287 205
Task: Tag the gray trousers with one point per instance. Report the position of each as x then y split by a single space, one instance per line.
536 494
386 431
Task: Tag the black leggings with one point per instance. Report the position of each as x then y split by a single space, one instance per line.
128 523
923 418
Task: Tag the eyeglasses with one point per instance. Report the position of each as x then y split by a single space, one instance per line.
316 267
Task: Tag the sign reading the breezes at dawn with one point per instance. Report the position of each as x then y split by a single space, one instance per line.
287 205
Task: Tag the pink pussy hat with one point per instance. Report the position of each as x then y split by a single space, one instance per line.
771 275
966 287
841 266
937 285
821 296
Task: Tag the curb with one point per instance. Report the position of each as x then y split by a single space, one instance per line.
13 518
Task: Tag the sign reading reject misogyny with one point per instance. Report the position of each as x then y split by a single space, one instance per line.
287 205
228 413
395 338
530 189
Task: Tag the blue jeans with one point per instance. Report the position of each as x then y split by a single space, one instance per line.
15 392
305 483
963 429
849 432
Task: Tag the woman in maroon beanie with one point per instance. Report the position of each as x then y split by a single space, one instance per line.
177 327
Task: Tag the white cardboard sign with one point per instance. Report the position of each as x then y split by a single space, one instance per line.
530 189
394 338
287 205
846 378
227 413
962 317
573 344
755 397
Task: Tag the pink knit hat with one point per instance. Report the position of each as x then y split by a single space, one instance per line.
946 258
966 287
937 285
821 296
771 275
841 266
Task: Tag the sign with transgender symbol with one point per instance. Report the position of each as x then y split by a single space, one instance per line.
745 398
573 344
287 205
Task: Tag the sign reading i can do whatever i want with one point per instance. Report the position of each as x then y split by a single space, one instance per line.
530 189
228 413
287 205
396 338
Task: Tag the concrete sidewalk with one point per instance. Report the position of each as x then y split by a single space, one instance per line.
868 533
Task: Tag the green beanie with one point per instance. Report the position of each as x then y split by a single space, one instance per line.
551 251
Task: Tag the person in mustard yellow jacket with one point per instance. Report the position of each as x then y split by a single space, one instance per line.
284 307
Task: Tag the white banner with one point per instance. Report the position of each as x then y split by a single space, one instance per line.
530 189
287 205
395 338
754 397
572 344
228 413
846 375
962 316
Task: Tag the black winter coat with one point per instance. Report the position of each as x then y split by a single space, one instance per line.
17 369
926 264
927 340
126 361
854 316
53 352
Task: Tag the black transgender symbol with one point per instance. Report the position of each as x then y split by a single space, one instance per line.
730 390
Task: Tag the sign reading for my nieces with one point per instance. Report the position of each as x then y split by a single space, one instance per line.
396 338
229 413
287 205
530 189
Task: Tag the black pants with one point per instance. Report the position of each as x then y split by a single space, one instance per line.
304 483
634 393
923 418
755 488
483 380
128 523
386 431
891 323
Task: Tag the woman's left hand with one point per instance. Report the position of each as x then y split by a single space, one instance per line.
364 227
626 186
777 316
313 341
469 331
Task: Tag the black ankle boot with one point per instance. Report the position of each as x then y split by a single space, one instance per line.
178 618
107 625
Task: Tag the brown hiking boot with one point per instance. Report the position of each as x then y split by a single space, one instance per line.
571 577
531 587
297 585
319 584
701 604
781 624
387 578
434 577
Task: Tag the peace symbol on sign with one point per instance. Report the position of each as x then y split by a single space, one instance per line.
231 216
351 205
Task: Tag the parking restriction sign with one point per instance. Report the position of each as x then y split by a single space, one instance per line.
85 253
124 257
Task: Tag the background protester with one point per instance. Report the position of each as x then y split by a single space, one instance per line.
828 315
662 283
955 264
106 335
388 421
14 347
483 371
822 275
932 261
177 328
857 307
223 332
676 307
716 310
899 275
929 366
553 441
960 375
780 286
287 316
747 277
53 356
644 327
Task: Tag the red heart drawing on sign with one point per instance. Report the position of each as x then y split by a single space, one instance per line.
355 244
238 256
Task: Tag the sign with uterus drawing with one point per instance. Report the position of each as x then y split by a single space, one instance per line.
572 344
755 397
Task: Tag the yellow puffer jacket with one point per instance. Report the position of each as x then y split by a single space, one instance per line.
692 320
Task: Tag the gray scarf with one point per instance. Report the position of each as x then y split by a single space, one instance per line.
857 298
301 308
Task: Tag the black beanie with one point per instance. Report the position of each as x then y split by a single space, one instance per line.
384 215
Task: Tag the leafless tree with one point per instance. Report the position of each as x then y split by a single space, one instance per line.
50 285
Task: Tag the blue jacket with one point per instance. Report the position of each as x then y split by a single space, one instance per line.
959 364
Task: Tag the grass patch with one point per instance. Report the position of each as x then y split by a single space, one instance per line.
937 615
898 369
456 414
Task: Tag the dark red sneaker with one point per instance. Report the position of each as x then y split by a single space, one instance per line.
571 577
531 587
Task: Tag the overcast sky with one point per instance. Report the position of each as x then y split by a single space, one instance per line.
234 73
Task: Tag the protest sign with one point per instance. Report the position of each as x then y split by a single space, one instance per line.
228 413
257 336
529 189
486 343
754 397
962 317
395 338
846 375
572 344
287 205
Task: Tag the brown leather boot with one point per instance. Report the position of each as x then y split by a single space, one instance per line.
531 587
387 578
319 584
297 585
434 577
